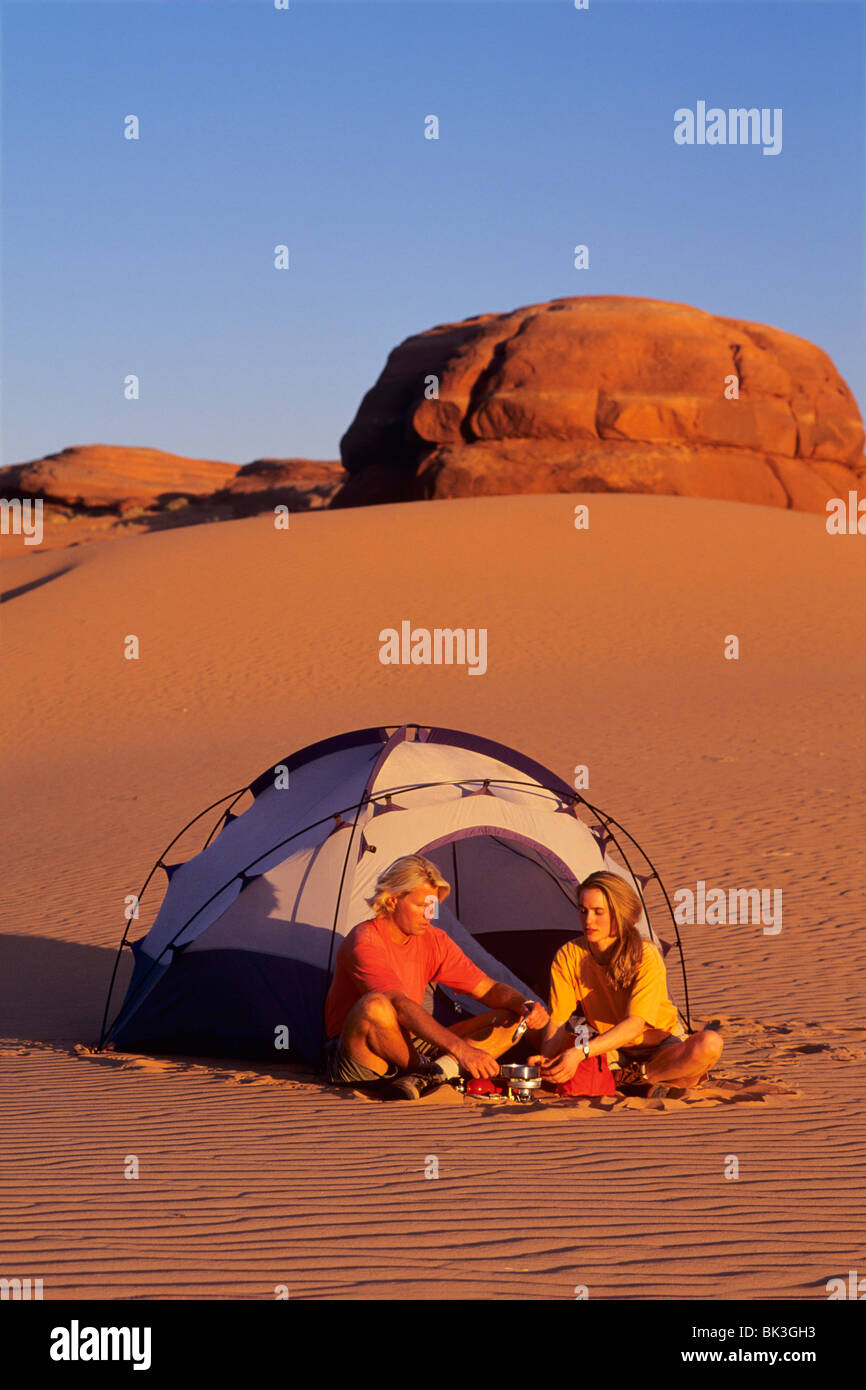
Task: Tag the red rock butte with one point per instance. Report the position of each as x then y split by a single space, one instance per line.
605 393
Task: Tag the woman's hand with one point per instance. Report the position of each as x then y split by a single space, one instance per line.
561 1068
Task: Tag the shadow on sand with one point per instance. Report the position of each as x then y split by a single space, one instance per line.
54 991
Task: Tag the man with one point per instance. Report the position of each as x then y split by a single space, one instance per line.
378 1030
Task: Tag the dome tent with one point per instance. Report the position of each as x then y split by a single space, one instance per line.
244 944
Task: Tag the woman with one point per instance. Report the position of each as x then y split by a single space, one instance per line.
618 978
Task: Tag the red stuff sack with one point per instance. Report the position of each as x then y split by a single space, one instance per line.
482 1086
593 1077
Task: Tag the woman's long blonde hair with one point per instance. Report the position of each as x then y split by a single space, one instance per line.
625 910
401 877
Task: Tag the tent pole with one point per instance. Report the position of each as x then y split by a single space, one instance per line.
141 893
456 879
608 821
364 801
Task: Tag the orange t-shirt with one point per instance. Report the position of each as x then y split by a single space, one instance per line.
577 978
369 960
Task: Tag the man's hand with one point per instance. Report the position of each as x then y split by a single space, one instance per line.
473 1060
538 1017
561 1068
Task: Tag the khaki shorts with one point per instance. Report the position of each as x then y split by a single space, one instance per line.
343 1070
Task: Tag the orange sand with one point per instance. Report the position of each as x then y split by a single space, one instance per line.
604 648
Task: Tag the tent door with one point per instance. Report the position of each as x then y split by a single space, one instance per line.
513 895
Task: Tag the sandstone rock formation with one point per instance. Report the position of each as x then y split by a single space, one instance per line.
97 490
605 393
105 475
303 484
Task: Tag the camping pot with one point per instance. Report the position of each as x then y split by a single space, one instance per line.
520 1080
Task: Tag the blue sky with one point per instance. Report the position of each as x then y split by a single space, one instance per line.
306 127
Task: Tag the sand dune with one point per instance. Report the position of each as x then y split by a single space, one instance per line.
605 647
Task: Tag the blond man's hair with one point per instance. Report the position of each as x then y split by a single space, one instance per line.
401 877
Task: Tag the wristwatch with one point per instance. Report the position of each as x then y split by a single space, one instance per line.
584 1048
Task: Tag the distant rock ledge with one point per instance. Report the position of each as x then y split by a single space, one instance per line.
93 491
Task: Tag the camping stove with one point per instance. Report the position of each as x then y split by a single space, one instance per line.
520 1082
